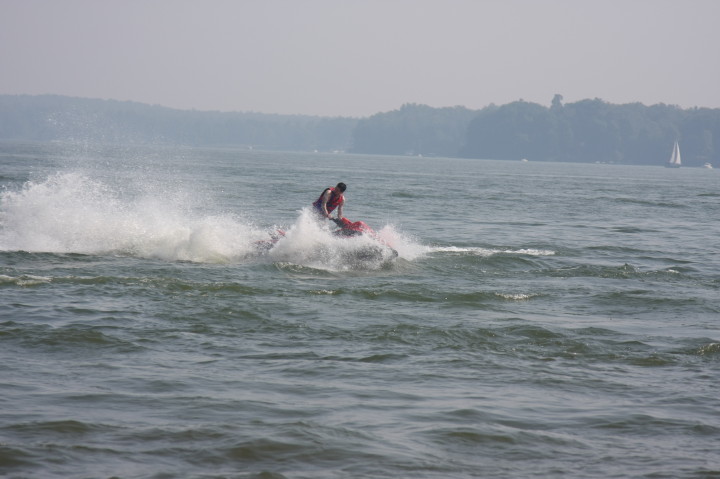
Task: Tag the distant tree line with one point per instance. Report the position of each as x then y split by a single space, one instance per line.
584 131
594 131
414 130
60 118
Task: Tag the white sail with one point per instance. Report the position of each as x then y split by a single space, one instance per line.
675 160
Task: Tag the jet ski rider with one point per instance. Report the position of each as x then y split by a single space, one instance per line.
331 198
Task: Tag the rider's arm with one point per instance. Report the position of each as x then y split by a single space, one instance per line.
340 208
323 204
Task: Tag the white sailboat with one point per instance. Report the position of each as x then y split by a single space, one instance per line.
675 161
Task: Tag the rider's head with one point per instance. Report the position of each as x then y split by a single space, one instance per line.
342 187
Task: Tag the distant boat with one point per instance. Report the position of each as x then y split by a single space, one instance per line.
675 161
708 166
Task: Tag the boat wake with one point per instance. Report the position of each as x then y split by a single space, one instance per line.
478 251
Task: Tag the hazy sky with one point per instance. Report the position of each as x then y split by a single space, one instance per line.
359 57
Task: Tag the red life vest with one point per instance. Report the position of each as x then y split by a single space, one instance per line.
333 202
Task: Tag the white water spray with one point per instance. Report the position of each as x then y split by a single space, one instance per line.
72 213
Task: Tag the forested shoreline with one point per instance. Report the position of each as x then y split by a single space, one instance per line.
583 131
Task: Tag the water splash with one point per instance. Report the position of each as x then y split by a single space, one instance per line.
312 243
73 213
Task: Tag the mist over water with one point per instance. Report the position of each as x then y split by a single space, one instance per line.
539 320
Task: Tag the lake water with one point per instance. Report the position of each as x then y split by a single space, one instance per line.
541 319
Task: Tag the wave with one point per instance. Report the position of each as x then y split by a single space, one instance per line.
23 280
646 202
479 251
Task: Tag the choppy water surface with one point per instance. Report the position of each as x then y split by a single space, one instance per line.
541 320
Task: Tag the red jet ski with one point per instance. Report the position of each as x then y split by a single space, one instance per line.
346 229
